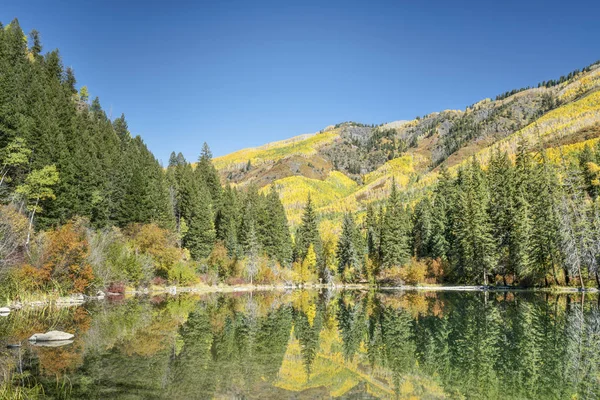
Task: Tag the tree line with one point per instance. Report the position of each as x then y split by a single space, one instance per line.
530 221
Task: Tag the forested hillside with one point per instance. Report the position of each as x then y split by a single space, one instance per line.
502 192
555 113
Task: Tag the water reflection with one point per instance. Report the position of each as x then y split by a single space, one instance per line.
307 344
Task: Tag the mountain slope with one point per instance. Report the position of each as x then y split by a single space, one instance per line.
348 165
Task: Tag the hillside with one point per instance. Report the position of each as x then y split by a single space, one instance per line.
348 165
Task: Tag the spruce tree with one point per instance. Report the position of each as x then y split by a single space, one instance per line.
372 232
347 253
308 232
277 241
444 197
475 249
207 173
545 224
395 250
227 221
502 209
200 237
422 231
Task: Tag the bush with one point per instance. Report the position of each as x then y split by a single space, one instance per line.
183 273
219 261
266 272
116 287
413 273
62 258
416 272
436 271
232 281
159 281
158 243
13 232
210 278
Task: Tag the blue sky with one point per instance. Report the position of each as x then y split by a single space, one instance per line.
243 73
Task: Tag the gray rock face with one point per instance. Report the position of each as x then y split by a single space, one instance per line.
51 336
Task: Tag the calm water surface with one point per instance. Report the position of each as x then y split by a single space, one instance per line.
309 344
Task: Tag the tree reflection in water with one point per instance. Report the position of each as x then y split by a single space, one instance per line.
307 344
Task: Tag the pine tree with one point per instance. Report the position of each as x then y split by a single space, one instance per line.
347 253
502 209
422 231
207 173
394 233
252 253
475 249
372 230
544 214
308 232
277 241
444 198
200 238
520 239
227 221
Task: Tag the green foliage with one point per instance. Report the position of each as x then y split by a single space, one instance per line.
349 249
395 232
308 232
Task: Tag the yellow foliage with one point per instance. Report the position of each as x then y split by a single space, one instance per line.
558 123
294 190
306 271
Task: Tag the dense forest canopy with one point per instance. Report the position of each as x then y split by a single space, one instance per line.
85 205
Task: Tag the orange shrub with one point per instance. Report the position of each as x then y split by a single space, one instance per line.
30 278
436 270
65 261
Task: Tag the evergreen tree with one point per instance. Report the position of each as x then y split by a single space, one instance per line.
444 198
395 249
422 231
347 253
207 173
372 231
520 239
502 209
308 232
252 253
200 238
544 214
475 249
227 221
277 241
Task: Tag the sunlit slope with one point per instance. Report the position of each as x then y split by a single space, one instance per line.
294 191
269 153
556 126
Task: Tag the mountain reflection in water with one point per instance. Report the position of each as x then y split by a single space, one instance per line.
309 344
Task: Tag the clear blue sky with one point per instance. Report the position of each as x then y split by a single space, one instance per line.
243 73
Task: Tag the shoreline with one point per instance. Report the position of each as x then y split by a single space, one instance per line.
45 300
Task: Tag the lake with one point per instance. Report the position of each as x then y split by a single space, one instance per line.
314 344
